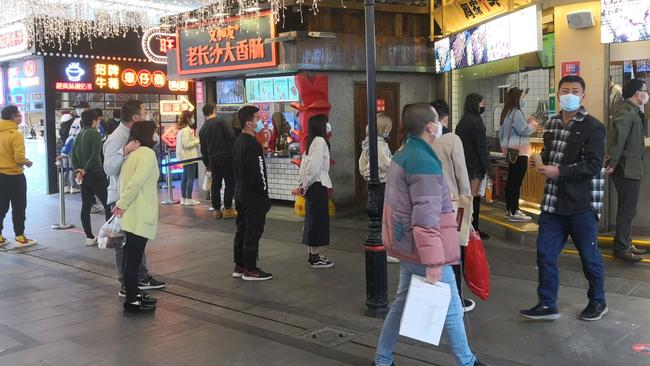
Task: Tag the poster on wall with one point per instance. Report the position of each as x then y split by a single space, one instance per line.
625 21
570 68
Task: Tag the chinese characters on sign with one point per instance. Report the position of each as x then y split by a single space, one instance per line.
238 44
73 86
156 42
13 39
570 68
473 9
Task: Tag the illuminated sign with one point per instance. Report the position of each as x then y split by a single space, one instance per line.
73 86
29 68
179 85
156 43
175 107
13 39
240 43
74 72
23 75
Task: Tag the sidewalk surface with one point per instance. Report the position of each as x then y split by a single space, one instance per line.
59 304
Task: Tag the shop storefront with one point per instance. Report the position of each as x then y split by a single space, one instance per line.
253 60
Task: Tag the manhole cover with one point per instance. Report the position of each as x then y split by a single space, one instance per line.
328 336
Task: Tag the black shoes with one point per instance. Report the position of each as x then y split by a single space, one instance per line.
468 305
540 312
320 262
138 307
151 284
593 311
628 256
256 275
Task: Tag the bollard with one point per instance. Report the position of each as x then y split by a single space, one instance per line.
170 188
61 225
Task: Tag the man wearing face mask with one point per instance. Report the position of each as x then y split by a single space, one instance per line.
625 151
116 148
251 196
573 157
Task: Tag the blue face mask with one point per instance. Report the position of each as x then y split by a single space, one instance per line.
570 102
523 104
259 126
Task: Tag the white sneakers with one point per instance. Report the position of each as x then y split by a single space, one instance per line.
518 217
390 259
189 202
91 242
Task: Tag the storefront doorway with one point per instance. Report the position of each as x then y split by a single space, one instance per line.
387 103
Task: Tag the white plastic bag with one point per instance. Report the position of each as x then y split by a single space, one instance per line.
207 181
110 235
483 187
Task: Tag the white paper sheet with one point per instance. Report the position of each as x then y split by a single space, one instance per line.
425 310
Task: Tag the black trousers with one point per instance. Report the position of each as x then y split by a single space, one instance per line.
94 184
516 174
134 246
13 191
252 209
316 231
628 191
222 171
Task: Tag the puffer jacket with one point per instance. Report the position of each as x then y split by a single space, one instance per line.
419 224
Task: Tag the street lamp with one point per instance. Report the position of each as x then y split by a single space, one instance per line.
376 273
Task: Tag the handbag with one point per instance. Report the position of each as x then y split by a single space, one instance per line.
476 267
512 154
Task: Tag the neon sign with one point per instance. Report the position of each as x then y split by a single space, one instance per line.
74 72
73 86
156 43
179 85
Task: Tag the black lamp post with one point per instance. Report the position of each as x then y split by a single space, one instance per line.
376 274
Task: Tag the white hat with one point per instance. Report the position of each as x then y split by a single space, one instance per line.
66 117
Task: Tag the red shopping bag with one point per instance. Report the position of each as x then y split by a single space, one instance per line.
477 269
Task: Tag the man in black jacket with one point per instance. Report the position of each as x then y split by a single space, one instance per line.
217 140
251 196
573 156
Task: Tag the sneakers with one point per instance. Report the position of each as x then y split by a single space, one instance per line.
628 256
593 312
540 312
74 190
320 262
468 305
96 209
23 242
151 284
638 251
519 217
238 272
66 190
3 241
91 241
256 275
217 214
229 213
390 259
137 307
189 202
147 298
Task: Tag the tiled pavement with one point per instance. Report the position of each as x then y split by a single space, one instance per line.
58 303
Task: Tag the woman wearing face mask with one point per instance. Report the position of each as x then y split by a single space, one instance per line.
187 147
472 133
384 155
515 143
314 184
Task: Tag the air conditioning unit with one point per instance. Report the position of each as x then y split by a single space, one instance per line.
580 19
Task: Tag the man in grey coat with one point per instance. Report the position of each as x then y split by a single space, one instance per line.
625 151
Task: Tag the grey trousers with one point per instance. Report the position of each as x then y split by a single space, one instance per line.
120 264
628 196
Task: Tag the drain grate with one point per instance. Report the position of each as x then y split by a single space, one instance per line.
328 336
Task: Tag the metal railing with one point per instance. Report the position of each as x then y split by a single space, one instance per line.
62 224
168 179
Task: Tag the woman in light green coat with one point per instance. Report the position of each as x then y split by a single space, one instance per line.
138 209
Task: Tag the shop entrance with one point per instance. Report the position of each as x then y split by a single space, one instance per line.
387 103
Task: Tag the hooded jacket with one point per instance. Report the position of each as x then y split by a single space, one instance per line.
419 225
12 148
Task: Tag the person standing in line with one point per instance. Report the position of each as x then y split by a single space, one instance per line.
217 141
425 238
384 155
625 151
573 156
138 186
514 137
187 147
87 163
64 132
251 196
472 133
314 183
449 150
13 185
117 148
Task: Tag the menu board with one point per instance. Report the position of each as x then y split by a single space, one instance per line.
512 35
625 21
230 91
276 89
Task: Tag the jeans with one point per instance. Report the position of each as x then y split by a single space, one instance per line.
13 191
187 183
94 184
222 172
516 174
628 196
252 209
454 326
69 173
553 233
134 247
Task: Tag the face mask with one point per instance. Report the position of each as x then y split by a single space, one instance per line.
523 104
79 111
259 126
482 110
156 139
569 102
438 130
328 128
645 99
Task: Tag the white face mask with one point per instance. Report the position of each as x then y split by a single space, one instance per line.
438 130
156 138
645 99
